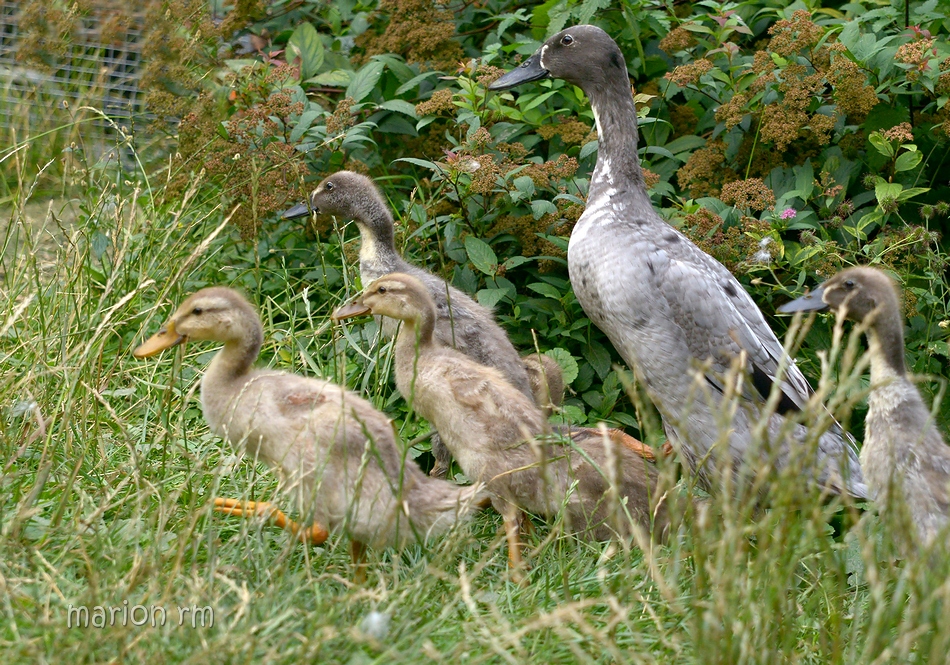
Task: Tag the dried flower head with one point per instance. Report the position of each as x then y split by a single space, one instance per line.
690 73
751 193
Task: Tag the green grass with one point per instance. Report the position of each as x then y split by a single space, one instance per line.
108 472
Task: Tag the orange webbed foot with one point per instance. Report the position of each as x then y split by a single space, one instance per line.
314 534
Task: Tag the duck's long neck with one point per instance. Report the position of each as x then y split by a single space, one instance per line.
616 116
377 239
886 341
238 355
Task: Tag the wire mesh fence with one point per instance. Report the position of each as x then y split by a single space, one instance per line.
91 68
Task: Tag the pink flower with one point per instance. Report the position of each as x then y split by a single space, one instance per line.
789 213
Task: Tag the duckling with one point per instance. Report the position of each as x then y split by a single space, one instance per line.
547 381
501 437
461 322
903 451
335 452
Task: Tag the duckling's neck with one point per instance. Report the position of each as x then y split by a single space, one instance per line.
238 355
377 240
616 116
417 333
886 341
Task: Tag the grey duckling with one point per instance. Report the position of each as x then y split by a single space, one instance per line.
337 455
461 322
904 456
501 437
677 316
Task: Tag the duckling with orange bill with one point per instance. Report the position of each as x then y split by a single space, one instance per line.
337 455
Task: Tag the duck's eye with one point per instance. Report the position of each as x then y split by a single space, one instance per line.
196 311
381 289
328 186
849 284
567 40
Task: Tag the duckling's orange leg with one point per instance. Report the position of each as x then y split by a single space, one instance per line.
640 448
668 449
358 556
315 534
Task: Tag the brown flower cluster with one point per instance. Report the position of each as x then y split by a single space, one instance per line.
942 86
735 246
783 120
341 119
793 35
683 118
678 39
487 74
851 90
903 133
572 132
732 112
259 174
485 177
690 73
916 54
421 31
562 168
526 229
705 171
440 102
751 193
650 179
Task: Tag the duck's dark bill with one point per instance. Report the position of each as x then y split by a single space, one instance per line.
807 303
299 210
530 70
349 311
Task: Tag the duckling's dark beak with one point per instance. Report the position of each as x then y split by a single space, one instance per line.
529 70
350 310
299 210
810 302
165 338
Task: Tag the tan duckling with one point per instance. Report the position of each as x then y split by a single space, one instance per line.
460 321
499 436
904 456
336 454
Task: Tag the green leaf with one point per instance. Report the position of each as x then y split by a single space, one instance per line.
546 290
911 192
599 359
334 79
421 162
306 43
490 297
887 190
542 207
481 255
399 106
415 81
306 120
515 261
365 80
881 144
566 362
907 161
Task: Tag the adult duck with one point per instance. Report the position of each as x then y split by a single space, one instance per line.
460 323
337 455
905 461
501 437
677 316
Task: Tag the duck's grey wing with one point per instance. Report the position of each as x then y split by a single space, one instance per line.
720 320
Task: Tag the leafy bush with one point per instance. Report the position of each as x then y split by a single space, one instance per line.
786 143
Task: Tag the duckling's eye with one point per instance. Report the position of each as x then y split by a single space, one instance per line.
567 40
849 284
196 311
328 186
381 289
